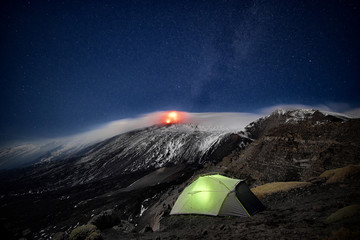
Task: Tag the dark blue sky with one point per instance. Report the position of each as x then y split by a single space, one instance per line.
69 65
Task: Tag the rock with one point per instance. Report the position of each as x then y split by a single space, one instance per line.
59 236
125 227
94 236
344 233
85 232
317 180
343 213
26 232
146 229
105 219
275 187
341 174
318 208
155 221
319 147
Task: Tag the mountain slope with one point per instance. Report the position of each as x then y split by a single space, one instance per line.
136 177
137 151
296 145
280 116
42 151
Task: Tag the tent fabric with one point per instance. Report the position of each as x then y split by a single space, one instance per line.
248 199
215 195
232 207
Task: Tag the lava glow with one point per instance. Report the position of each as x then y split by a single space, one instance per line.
173 117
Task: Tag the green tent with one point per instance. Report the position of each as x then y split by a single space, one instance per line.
217 195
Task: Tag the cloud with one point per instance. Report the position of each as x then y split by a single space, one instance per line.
58 148
268 110
224 120
354 113
227 121
343 108
120 126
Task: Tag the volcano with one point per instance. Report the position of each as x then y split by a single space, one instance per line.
174 117
125 186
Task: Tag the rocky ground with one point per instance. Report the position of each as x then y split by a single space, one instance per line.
136 205
297 214
296 152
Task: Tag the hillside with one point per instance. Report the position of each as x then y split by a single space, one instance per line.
297 152
126 186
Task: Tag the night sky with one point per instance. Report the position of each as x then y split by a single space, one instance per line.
67 66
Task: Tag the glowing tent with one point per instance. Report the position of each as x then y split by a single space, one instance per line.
217 195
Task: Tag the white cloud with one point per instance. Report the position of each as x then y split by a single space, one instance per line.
226 120
233 121
268 110
354 113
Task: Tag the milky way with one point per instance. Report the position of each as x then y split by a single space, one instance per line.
69 65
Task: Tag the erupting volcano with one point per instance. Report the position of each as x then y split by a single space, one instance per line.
173 117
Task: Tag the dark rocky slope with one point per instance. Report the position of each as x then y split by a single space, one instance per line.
127 185
298 214
136 151
293 152
290 117
62 194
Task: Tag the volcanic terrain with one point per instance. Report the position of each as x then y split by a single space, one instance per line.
124 187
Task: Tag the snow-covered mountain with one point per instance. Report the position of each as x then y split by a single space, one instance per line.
140 150
72 146
157 146
42 151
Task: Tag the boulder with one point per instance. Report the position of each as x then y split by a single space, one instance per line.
85 232
343 213
59 236
125 227
105 219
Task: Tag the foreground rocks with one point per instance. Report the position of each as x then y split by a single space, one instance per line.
85 232
299 213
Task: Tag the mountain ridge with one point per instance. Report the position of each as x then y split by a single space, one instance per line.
136 176
52 150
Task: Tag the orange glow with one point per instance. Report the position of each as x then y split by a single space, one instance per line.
173 117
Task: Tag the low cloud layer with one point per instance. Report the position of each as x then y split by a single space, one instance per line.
228 121
342 108
58 148
225 121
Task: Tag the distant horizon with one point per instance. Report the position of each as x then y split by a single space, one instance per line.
68 67
129 124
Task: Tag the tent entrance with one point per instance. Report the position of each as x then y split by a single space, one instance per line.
251 203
